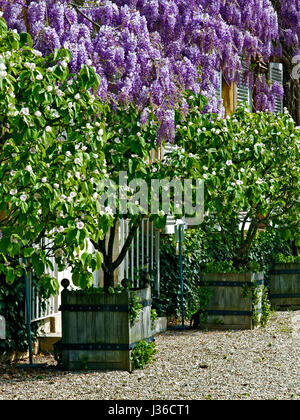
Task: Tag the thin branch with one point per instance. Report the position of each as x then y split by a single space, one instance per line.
111 243
85 16
126 245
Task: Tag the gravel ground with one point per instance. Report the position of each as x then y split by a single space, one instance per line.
190 365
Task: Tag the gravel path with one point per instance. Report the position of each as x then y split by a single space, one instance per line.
189 365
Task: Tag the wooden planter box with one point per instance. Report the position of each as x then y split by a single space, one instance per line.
285 285
96 331
228 307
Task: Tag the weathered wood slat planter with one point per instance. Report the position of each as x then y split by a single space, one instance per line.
96 331
285 285
229 306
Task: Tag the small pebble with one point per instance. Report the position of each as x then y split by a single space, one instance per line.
188 366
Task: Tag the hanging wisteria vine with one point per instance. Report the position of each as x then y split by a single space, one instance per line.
150 51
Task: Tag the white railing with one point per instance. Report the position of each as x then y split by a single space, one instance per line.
40 308
143 254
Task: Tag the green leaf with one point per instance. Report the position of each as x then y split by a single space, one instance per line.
71 236
28 252
10 276
99 260
25 38
3 28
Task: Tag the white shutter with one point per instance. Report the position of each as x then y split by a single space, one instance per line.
276 75
243 92
170 225
168 148
219 87
171 221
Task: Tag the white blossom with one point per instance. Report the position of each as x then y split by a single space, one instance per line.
37 53
24 111
80 225
59 253
30 66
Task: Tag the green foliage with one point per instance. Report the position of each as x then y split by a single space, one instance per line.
98 290
51 161
281 258
250 165
266 245
228 267
200 302
135 308
12 298
153 317
197 252
142 354
203 252
259 295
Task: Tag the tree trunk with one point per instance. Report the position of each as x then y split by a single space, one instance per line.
108 279
106 248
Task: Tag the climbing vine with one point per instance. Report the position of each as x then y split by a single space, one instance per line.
261 308
135 308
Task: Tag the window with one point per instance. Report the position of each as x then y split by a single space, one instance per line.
276 75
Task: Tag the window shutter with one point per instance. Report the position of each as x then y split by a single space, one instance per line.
167 149
276 75
243 92
219 87
171 221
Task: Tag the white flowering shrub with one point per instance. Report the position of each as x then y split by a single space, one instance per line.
250 165
51 141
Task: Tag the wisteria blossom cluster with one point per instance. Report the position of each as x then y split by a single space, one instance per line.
149 51
289 20
265 99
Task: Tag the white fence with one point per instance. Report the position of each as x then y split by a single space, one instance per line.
143 254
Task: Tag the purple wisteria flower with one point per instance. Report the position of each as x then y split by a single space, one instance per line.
150 51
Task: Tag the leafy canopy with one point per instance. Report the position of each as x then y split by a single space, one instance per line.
51 140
